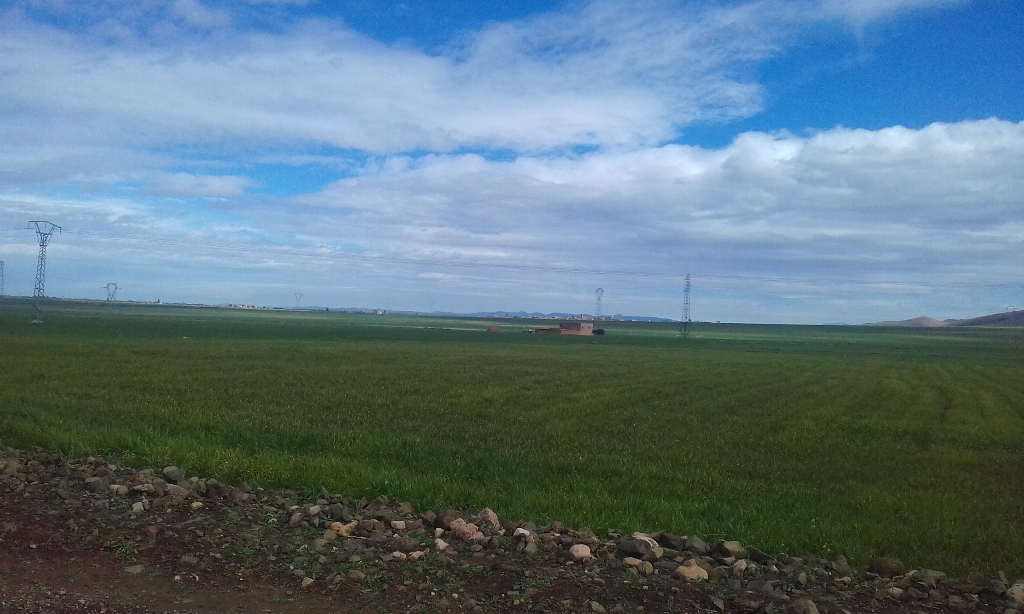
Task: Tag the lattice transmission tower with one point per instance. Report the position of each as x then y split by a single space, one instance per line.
1 277
684 324
298 299
599 293
111 291
44 230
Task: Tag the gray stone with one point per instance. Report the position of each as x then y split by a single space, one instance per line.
958 603
927 576
841 566
487 521
666 568
887 567
759 557
803 606
1016 593
355 575
173 474
695 545
134 569
585 536
668 540
638 548
177 491
730 549
596 607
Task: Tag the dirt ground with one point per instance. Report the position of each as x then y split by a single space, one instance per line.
88 536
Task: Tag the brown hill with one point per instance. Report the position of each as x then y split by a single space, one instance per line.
922 322
1006 318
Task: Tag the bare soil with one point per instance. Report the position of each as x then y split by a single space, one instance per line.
70 543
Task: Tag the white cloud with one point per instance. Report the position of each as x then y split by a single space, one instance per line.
860 12
187 185
614 74
894 204
195 13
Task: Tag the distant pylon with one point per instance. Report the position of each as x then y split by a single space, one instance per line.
684 324
111 291
1 277
597 309
44 230
298 297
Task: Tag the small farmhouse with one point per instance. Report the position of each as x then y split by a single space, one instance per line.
573 327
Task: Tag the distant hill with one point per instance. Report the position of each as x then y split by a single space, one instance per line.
922 322
1006 318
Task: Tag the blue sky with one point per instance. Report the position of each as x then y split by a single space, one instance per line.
807 161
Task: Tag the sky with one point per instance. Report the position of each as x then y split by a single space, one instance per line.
805 161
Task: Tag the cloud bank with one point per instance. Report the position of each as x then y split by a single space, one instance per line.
171 136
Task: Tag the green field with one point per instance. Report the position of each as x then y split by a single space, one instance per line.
828 440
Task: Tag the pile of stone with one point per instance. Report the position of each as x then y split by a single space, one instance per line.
310 536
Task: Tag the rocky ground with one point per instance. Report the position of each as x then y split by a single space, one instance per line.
90 536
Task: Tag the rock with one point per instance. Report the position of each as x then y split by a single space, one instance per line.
927 576
138 507
314 510
730 549
487 520
895 592
803 606
444 521
416 555
173 474
581 553
586 536
1016 593
668 540
398 525
759 557
306 582
739 567
440 544
695 545
841 566
691 573
666 568
645 568
630 561
196 506
134 569
344 530
466 531
637 548
188 559
96 485
296 519
718 574
886 567
355 575
118 490
177 491
596 607
958 603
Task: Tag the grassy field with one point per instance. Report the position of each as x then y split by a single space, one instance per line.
859 441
